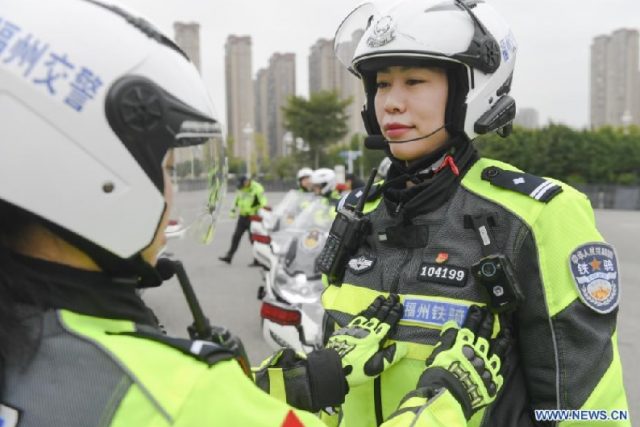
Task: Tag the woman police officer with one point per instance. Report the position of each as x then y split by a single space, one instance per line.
448 229
108 110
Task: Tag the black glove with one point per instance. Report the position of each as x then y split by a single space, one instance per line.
312 382
361 344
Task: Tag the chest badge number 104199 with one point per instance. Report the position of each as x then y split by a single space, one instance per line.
448 275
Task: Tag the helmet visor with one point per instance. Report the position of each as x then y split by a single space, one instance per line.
440 29
199 180
350 33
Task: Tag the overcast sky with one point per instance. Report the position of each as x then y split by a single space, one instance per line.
554 37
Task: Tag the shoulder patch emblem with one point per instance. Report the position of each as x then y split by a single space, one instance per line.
361 264
533 186
594 267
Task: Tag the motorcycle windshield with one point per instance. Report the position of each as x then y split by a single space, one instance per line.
318 215
303 252
289 208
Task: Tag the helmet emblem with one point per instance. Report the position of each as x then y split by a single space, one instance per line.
384 32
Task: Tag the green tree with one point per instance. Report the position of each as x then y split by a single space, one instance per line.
260 153
284 167
604 156
320 121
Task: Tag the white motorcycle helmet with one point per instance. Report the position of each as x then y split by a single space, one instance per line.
467 38
325 180
94 97
304 173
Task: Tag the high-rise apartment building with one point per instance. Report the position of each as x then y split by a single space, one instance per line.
273 87
323 67
282 85
187 36
327 73
261 96
615 79
239 92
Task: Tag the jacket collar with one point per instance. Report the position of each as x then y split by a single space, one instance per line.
432 188
55 286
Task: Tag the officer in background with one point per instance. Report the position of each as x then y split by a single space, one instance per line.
304 180
323 183
78 346
448 229
249 199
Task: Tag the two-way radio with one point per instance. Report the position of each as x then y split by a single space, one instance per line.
346 234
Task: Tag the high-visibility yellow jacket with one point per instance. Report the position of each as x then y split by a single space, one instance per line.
111 366
250 199
566 355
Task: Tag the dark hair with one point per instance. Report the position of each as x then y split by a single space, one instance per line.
13 222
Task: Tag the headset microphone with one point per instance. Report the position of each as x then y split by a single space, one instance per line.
375 142
379 142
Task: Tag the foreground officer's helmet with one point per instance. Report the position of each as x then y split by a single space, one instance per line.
93 97
466 37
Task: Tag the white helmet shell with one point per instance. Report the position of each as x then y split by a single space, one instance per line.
303 173
326 178
61 157
469 33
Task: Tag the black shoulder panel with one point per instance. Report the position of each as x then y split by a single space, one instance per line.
530 185
204 351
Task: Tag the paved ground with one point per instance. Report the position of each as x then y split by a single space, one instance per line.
228 293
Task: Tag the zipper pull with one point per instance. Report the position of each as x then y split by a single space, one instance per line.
398 208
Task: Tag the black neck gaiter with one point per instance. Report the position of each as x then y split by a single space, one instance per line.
49 285
433 187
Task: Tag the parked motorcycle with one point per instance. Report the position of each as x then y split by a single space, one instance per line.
280 218
291 311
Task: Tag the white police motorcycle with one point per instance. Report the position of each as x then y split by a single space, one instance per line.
291 311
280 218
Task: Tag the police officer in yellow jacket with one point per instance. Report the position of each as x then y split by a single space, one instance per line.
112 133
249 199
448 229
